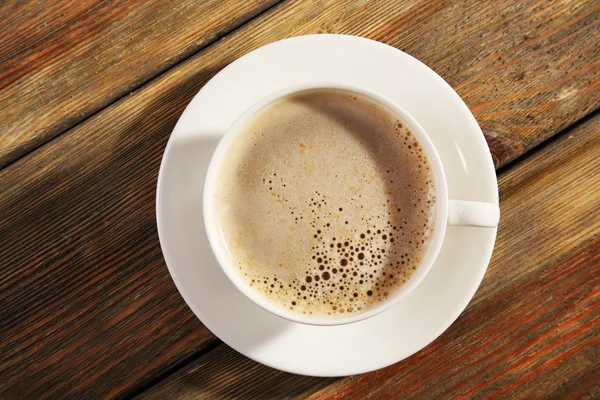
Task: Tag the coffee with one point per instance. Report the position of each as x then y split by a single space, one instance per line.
325 203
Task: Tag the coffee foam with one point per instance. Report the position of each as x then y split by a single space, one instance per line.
325 203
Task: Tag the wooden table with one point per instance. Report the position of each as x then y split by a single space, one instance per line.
89 93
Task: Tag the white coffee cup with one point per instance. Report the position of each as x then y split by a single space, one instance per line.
448 211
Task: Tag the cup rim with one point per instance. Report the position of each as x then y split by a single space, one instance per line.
216 241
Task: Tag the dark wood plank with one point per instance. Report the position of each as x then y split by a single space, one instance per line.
532 331
226 374
61 61
87 307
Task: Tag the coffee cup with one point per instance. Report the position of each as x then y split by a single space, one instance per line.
447 212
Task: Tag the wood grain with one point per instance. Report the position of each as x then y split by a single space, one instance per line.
61 61
87 307
226 374
527 69
532 331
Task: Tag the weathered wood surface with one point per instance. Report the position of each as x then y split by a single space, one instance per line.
527 69
87 307
532 330
62 60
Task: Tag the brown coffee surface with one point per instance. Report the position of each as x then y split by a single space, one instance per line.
325 203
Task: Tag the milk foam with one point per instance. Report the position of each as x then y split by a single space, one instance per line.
325 203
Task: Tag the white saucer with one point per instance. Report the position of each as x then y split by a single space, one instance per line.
311 350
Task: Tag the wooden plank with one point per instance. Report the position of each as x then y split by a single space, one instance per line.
226 374
87 307
532 331
61 61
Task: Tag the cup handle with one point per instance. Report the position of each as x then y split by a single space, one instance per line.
473 213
